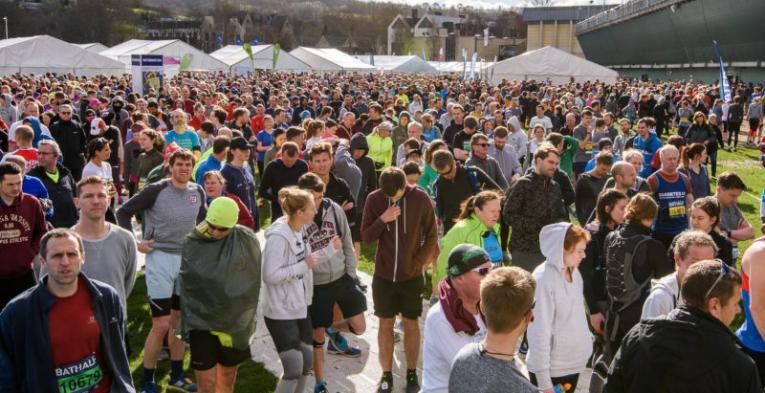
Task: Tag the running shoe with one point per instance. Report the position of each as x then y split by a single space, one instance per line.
386 384
320 387
338 345
149 387
183 385
412 383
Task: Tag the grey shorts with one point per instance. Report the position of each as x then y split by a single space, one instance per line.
162 269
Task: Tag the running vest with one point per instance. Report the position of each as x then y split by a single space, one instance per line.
747 333
672 217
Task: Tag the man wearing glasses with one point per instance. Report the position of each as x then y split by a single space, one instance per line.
59 182
480 158
71 139
692 349
455 321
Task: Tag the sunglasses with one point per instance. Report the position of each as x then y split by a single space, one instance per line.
482 144
217 228
482 271
65 113
724 269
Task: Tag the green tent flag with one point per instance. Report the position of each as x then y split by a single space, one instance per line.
185 62
248 49
277 48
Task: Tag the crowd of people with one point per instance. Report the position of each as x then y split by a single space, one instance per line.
542 230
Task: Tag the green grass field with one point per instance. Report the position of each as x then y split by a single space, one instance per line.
254 378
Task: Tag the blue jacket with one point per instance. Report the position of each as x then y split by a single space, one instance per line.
208 164
26 362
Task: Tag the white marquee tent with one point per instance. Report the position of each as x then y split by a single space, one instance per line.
239 62
172 50
399 64
42 53
95 47
446 67
553 64
330 60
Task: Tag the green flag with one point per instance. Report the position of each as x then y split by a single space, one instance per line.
248 49
185 62
277 48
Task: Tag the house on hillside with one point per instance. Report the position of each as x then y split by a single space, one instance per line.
186 30
435 34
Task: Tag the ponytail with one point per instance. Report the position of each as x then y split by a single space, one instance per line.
476 201
293 199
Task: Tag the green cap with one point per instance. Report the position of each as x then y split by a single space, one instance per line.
223 212
466 257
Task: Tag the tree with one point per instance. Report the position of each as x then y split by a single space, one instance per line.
542 3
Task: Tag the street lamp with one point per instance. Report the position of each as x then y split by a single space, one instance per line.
5 20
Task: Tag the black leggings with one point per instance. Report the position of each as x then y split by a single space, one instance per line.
570 380
733 129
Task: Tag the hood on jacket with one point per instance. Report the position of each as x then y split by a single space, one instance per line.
359 141
515 123
7 103
551 242
281 228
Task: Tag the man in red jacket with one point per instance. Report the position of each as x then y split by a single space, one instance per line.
400 218
22 224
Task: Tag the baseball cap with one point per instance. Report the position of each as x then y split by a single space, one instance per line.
239 143
304 114
169 150
464 258
223 212
96 125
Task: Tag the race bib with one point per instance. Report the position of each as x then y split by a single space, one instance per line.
676 210
80 377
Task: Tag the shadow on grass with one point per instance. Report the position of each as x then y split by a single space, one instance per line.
252 377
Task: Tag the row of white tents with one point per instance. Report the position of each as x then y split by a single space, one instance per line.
41 54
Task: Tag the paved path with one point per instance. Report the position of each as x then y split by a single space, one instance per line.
345 374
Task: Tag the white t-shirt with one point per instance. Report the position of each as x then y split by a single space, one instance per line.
544 120
441 347
15 125
104 171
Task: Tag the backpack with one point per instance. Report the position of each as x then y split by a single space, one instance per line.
623 290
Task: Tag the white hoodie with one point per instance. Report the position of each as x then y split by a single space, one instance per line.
559 337
664 297
287 279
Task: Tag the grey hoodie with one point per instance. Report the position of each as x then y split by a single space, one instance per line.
559 336
664 297
8 111
331 264
287 279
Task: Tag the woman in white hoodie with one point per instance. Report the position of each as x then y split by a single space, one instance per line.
288 283
559 336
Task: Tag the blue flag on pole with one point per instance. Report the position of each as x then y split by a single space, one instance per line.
255 41
724 84
220 40
238 40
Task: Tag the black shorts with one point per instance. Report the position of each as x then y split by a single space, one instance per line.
392 298
290 333
342 291
162 307
207 351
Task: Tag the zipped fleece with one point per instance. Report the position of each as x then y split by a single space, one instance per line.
26 361
405 244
